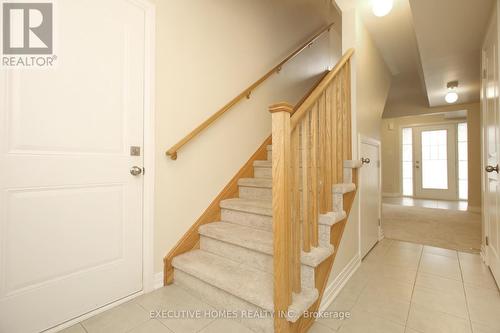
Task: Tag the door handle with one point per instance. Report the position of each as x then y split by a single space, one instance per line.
365 160
135 171
490 168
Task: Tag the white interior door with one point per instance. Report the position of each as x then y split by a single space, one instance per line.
491 141
369 187
70 210
436 162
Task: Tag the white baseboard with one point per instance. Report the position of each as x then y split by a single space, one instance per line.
158 283
391 195
484 254
380 233
334 288
474 209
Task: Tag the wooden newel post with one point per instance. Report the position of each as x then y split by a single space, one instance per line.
281 213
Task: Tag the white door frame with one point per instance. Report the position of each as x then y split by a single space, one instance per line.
149 282
374 142
400 144
484 176
484 221
452 164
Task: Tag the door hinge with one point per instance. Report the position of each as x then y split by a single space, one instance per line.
487 241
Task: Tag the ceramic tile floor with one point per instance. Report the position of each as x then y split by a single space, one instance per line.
441 204
400 287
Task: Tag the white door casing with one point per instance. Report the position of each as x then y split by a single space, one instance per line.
421 161
370 195
490 112
71 214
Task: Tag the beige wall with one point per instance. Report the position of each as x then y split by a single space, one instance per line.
207 53
371 83
474 155
391 154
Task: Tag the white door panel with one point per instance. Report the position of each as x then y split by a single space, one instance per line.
70 211
436 162
491 129
369 196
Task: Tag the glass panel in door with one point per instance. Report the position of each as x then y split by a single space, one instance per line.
435 159
436 162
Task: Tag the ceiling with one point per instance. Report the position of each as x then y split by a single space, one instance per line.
427 43
394 36
449 35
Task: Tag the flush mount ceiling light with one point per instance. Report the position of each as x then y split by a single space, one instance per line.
381 7
452 96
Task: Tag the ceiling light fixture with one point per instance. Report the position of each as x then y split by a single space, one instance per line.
452 96
381 7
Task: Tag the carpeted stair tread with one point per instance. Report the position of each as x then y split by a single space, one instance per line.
251 285
261 207
257 240
344 188
256 182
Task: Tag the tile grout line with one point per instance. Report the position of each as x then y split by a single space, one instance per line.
162 324
414 284
362 289
465 293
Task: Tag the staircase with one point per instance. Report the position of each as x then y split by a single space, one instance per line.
264 249
233 269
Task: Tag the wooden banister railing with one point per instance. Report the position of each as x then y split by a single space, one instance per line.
310 143
172 151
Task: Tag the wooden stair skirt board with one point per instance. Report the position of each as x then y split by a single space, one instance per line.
267 243
226 258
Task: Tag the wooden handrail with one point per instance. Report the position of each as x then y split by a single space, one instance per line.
311 141
314 95
172 152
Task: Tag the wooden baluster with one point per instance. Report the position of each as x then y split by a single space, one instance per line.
347 102
326 98
281 213
336 106
340 137
345 132
296 233
306 216
314 176
321 157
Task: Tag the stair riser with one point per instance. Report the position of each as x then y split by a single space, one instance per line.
259 260
266 172
338 202
222 300
247 219
262 172
347 175
324 235
259 193
264 193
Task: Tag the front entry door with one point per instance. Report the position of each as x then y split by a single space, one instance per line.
491 141
70 209
436 162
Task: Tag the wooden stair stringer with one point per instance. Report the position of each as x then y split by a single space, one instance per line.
322 272
191 239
